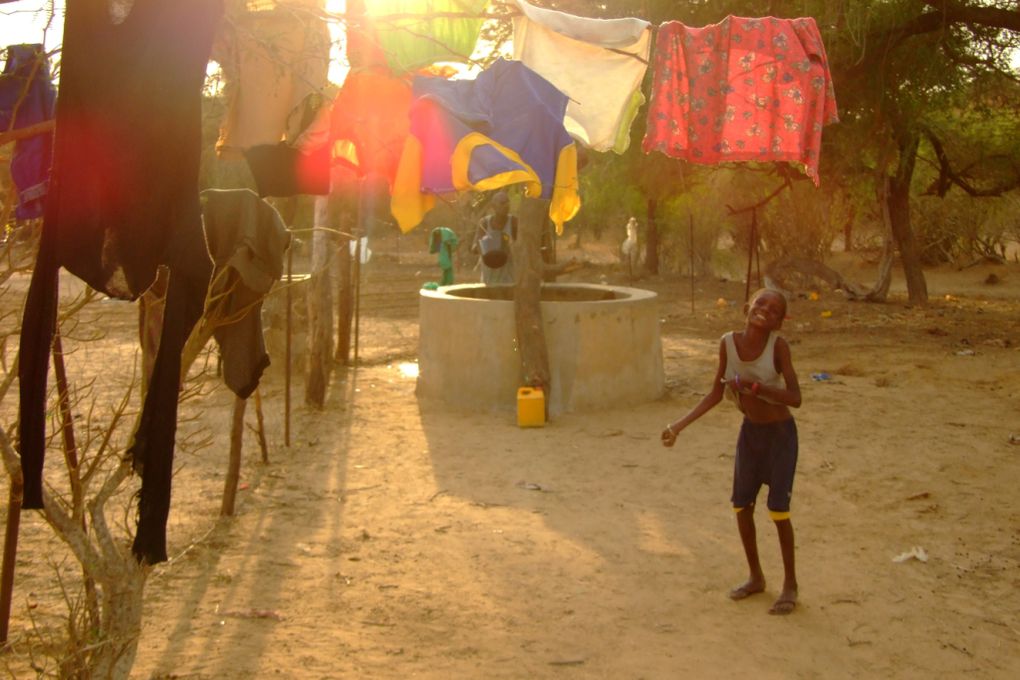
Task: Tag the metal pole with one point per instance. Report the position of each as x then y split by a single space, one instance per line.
357 294
691 216
286 359
751 249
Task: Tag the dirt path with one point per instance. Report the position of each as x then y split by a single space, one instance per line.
393 539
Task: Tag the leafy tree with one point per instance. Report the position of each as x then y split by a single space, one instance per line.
919 82
925 81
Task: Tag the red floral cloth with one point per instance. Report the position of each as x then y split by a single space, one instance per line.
741 90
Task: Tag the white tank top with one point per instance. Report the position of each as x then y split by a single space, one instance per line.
761 369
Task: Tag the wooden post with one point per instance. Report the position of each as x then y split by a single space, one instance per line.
320 309
752 249
652 237
261 431
10 553
234 463
528 267
549 270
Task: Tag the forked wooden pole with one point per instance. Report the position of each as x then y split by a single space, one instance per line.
10 553
234 463
261 431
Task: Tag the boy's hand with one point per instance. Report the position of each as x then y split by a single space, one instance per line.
668 436
738 386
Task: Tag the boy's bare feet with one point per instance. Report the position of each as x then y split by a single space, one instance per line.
785 603
752 587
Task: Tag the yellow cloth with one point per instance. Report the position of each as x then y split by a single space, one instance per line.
271 61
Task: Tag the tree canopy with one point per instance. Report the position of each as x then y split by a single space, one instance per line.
928 94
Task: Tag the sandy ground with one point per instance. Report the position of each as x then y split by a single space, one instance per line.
393 539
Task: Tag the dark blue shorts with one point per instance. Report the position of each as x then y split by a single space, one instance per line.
766 454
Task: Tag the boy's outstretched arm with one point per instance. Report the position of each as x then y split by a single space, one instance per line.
706 404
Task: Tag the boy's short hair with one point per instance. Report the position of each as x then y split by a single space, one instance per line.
778 293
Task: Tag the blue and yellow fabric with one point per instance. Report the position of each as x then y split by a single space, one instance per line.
505 127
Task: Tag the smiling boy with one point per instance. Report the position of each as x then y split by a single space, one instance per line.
756 372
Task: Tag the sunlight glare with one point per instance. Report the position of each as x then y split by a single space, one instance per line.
408 369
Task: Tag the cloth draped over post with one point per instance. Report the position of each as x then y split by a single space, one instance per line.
246 239
598 63
505 127
741 90
442 242
27 97
129 113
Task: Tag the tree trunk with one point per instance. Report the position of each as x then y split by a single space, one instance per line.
528 268
652 239
320 320
114 655
549 251
899 218
848 230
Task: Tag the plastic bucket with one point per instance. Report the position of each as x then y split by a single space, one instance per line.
494 250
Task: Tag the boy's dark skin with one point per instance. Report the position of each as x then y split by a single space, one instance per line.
765 314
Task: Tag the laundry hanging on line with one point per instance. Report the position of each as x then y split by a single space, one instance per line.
413 34
271 60
369 122
129 111
28 97
246 239
505 127
741 90
598 63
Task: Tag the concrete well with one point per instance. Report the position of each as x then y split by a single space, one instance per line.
603 343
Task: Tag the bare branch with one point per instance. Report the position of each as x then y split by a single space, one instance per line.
949 177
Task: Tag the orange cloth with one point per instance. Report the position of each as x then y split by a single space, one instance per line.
370 122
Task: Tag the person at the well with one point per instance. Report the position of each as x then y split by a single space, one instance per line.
495 232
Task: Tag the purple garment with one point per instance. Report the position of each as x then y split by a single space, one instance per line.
509 104
27 97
